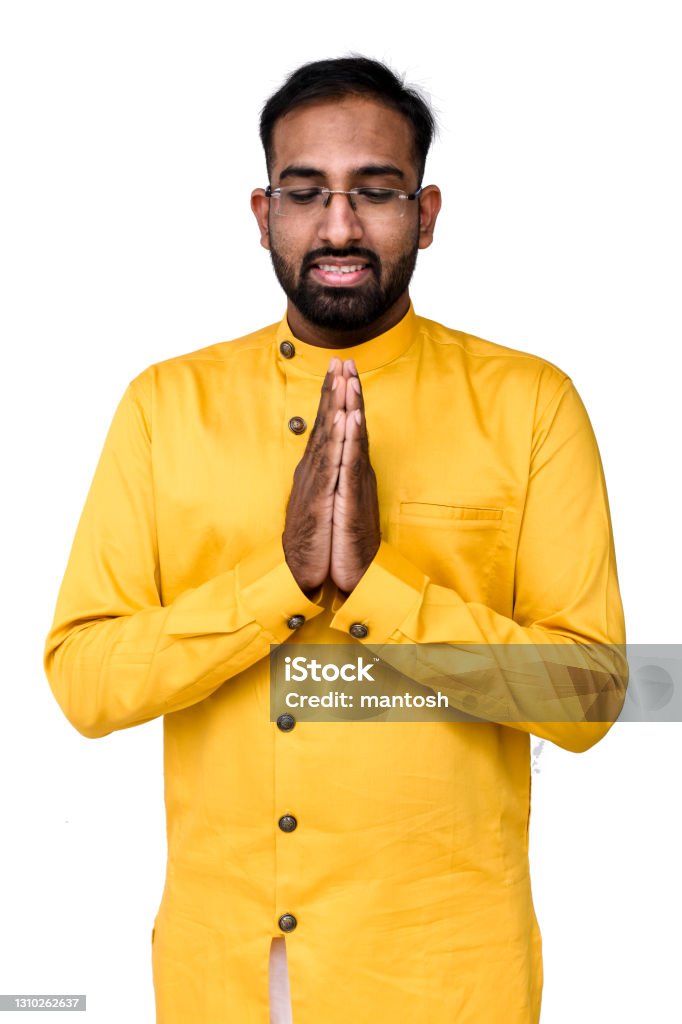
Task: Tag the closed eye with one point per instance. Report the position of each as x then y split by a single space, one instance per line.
301 196
377 195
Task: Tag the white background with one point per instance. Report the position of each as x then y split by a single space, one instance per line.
129 133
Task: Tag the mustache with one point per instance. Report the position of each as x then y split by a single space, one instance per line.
364 254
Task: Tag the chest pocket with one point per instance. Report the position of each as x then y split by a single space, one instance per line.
455 545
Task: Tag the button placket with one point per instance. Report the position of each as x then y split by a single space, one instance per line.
302 397
300 409
287 824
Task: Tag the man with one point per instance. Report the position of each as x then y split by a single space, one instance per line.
355 475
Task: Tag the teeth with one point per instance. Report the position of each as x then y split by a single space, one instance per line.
335 269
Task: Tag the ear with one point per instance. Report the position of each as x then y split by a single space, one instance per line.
260 205
429 208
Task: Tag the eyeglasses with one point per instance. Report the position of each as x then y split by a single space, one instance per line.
367 203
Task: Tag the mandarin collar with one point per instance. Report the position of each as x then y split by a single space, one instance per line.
370 355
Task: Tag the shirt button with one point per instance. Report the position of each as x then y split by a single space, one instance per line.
287 922
287 823
297 425
287 350
358 630
286 722
296 621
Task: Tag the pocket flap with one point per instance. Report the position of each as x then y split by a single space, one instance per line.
454 512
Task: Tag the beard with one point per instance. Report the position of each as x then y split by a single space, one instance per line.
345 309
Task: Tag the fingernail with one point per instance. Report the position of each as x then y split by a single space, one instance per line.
358 417
336 381
331 366
356 384
338 416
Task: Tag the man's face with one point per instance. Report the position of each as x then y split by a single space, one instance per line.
342 144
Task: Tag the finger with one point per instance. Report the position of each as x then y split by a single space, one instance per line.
338 432
354 397
337 398
332 397
355 470
334 370
325 444
354 427
327 456
329 384
355 454
335 366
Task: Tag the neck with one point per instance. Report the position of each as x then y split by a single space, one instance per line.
323 337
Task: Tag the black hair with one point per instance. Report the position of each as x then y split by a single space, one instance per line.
350 76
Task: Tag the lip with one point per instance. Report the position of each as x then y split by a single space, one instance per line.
340 280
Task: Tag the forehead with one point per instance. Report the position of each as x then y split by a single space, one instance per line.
336 136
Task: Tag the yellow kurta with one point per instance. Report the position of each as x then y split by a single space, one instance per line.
407 873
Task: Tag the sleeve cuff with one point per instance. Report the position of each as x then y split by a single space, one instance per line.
268 589
260 589
390 590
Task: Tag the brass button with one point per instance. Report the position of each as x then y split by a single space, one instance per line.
287 922
358 630
296 621
297 425
287 823
286 722
287 350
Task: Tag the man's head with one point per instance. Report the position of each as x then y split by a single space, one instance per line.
350 76
340 125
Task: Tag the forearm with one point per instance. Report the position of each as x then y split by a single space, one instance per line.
564 686
113 672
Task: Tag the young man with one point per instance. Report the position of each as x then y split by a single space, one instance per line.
352 475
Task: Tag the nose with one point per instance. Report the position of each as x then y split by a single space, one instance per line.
339 224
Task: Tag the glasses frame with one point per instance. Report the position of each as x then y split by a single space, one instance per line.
327 193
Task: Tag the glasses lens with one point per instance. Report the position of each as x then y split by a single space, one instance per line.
379 203
368 203
298 202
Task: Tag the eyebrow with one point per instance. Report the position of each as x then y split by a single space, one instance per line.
366 171
378 170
